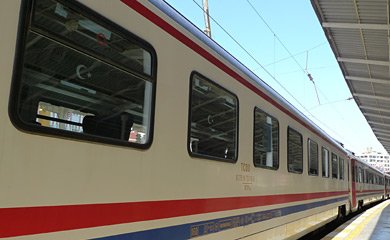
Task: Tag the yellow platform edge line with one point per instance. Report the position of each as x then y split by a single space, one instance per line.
360 227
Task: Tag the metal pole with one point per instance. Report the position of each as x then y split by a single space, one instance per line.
206 17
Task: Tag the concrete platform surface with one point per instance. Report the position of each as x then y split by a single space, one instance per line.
373 224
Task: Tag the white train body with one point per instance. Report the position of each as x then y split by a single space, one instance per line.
368 184
121 120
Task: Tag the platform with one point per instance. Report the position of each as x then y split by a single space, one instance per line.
373 224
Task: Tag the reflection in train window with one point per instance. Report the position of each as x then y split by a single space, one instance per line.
334 166
266 140
83 78
60 117
341 168
313 157
295 151
213 121
325 162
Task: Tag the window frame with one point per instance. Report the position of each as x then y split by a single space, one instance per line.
337 165
341 168
208 157
26 21
309 141
288 147
254 127
322 162
360 175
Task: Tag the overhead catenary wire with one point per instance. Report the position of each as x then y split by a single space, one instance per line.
261 65
305 71
296 54
311 78
332 102
285 48
251 56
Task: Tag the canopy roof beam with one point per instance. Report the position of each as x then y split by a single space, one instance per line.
376 115
364 61
371 96
356 25
374 108
365 79
372 123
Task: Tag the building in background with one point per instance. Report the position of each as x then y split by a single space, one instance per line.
376 159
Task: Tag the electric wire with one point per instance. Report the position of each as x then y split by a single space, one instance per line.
285 48
305 71
261 65
251 56
296 54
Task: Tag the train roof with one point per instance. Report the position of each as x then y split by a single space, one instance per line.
249 75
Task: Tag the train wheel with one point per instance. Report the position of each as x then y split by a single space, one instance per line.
342 213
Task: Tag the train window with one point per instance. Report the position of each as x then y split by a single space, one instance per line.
325 162
265 140
213 122
295 151
313 157
334 166
356 173
366 176
341 168
360 175
83 76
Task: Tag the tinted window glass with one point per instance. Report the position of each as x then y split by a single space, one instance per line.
334 166
313 157
325 162
266 140
213 120
84 77
360 175
341 168
295 151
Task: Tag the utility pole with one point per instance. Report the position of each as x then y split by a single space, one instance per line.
206 17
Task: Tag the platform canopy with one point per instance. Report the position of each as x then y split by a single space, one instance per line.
359 33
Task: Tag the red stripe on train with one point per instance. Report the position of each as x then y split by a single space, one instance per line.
34 220
379 191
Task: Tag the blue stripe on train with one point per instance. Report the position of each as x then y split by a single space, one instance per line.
196 229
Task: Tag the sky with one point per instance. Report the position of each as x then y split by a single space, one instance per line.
274 31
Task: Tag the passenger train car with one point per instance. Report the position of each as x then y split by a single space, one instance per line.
368 184
387 186
122 120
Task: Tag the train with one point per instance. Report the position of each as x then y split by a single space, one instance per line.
123 120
